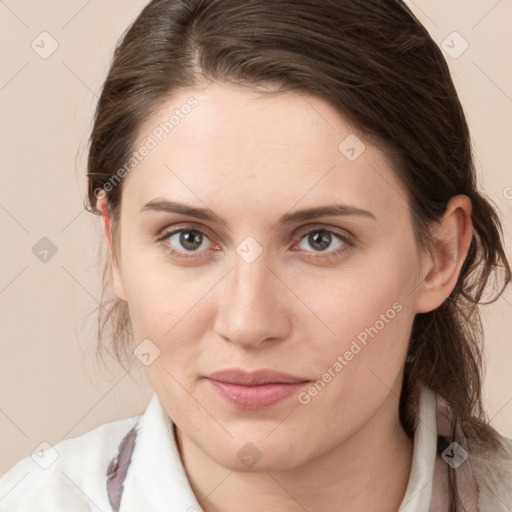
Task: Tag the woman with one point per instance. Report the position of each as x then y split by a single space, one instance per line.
298 251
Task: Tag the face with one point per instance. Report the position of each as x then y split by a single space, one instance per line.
327 298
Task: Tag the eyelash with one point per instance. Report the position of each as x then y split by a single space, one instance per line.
348 243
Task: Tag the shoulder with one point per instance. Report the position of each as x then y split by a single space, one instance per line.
71 475
493 472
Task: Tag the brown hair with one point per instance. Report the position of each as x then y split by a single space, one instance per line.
378 66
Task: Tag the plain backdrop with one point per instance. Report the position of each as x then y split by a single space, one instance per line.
55 56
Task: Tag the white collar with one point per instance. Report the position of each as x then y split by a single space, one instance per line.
157 478
418 493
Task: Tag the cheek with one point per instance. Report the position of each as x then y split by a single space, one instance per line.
363 319
162 298
358 294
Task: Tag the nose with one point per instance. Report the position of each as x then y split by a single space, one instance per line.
252 311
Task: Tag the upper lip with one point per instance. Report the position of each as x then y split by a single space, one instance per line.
254 378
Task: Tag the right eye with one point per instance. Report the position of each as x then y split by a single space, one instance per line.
179 242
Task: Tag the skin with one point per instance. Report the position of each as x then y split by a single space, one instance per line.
252 159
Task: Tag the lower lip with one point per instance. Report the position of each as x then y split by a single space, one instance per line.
255 397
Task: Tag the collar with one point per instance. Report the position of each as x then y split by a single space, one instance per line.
157 478
418 494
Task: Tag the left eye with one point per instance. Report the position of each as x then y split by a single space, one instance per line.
321 239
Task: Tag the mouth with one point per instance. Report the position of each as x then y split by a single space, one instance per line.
254 390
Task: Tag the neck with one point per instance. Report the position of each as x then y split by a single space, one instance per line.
376 458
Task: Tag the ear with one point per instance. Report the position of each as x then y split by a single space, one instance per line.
106 222
452 237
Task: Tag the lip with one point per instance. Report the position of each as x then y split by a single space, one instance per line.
254 378
254 390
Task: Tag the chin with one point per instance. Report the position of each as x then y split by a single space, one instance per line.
259 455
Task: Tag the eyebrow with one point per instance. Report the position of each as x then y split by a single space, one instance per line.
163 205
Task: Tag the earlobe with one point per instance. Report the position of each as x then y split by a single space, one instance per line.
107 234
451 240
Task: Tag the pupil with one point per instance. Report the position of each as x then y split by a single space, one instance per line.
190 239
321 241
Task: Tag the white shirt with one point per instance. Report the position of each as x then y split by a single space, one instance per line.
71 476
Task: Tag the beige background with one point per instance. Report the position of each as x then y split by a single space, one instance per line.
51 389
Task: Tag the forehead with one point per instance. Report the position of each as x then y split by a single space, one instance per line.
233 143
